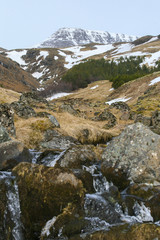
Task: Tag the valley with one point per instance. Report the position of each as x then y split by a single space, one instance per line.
80 164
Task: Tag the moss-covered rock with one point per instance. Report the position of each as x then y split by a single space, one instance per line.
124 232
44 192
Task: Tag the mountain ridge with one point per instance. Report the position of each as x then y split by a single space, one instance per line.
67 37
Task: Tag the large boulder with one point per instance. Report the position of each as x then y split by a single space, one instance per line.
11 153
144 231
132 156
7 118
44 192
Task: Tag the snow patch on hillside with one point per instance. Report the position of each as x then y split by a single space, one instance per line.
123 48
94 87
79 53
58 95
118 100
154 81
37 74
17 56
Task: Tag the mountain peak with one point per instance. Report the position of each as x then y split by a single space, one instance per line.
67 37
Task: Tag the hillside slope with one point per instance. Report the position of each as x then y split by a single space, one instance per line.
12 76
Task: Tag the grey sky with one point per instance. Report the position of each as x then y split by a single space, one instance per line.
25 23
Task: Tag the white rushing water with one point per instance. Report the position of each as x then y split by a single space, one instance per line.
13 205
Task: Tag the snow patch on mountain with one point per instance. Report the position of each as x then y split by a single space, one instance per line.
79 53
66 37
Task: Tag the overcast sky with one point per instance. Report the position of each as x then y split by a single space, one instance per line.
25 23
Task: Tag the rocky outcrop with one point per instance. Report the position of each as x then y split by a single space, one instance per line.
23 110
121 106
32 98
133 155
44 192
7 118
11 153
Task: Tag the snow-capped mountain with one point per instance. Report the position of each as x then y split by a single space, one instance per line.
67 37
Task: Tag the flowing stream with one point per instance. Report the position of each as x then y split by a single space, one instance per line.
12 206
101 209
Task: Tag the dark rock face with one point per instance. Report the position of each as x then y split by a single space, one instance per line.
23 110
11 153
133 155
44 192
7 118
4 136
66 37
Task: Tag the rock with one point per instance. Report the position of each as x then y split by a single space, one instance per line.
77 156
143 119
44 192
54 121
121 106
49 134
68 108
106 116
23 110
155 122
133 155
123 232
11 153
68 223
7 118
4 136
58 143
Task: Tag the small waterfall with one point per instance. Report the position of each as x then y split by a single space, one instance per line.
101 213
12 205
